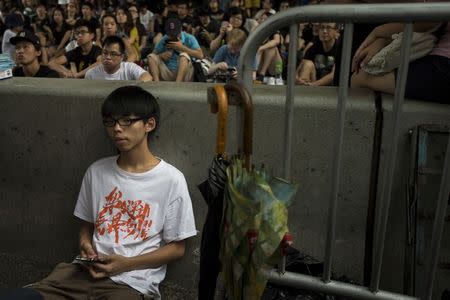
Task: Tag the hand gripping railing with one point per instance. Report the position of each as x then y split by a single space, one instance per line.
349 14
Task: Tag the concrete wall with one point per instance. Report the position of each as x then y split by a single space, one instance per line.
51 132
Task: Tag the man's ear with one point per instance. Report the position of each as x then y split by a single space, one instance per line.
150 125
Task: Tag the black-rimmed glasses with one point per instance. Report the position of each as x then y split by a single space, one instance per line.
111 122
111 53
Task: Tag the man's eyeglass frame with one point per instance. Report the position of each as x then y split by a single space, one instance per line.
123 122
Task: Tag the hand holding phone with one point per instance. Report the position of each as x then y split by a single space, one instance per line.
88 260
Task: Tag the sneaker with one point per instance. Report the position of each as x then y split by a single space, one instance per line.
279 81
271 81
265 79
259 79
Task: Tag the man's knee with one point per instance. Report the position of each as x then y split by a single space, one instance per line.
153 56
184 57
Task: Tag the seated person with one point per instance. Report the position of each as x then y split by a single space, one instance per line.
270 67
205 28
186 20
227 57
14 23
171 59
428 76
134 210
317 66
266 8
235 19
82 58
28 51
113 66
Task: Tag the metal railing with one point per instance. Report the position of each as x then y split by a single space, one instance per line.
349 14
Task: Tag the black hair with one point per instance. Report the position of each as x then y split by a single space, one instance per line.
111 40
132 100
232 11
89 4
85 23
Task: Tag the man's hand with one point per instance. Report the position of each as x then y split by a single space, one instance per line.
165 56
68 74
222 66
86 250
175 45
109 265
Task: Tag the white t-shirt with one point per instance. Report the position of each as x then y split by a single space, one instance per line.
127 71
135 213
145 18
7 47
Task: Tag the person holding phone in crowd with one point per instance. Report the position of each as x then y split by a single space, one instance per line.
171 58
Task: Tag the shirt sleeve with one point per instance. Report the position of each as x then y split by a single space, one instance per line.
220 55
192 42
160 48
179 223
135 71
83 208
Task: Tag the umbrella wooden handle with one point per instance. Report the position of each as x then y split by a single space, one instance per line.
247 106
222 114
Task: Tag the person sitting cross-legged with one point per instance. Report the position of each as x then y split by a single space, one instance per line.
171 59
113 66
317 66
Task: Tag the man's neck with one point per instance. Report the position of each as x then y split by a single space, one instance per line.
327 46
112 71
31 69
86 48
137 160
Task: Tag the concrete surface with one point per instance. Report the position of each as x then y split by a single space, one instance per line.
51 132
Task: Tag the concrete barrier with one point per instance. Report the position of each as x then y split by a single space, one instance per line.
51 132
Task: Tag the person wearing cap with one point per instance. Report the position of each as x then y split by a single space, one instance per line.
28 50
113 66
82 58
171 58
14 23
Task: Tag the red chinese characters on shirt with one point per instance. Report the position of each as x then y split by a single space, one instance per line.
129 217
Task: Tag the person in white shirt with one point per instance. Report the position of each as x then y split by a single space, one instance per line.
134 209
113 66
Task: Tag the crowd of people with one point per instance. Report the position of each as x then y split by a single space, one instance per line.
176 40
127 40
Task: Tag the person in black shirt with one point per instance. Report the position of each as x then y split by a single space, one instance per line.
82 58
317 66
28 51
205 28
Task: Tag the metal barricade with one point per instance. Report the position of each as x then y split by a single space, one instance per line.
349 14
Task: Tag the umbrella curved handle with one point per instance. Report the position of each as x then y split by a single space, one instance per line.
247 105
221 107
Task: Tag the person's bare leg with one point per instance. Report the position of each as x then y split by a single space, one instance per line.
182 68
273 63
307 72
382 83
153 66
266 58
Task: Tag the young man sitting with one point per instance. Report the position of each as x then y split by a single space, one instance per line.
82 58
28 51
317 66
171 59
134 208
113 66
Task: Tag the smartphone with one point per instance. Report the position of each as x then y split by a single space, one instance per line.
87 259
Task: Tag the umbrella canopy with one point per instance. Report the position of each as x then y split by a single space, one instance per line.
254 217
212 191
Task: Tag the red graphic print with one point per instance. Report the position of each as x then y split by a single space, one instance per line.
123 216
